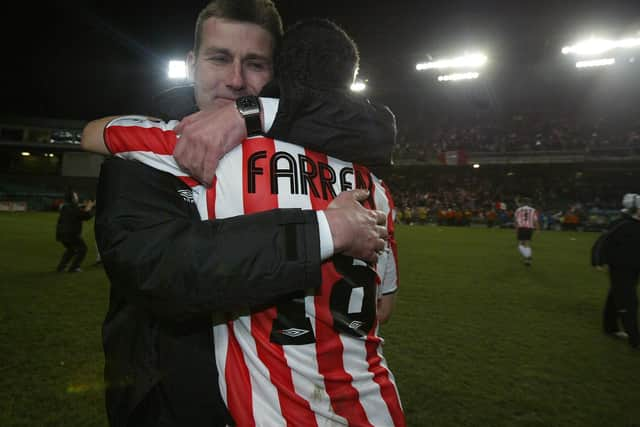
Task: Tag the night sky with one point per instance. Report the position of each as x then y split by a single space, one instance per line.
83 59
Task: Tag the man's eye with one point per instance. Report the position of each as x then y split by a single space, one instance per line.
220 59
258 66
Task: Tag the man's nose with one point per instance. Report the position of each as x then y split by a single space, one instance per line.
235 78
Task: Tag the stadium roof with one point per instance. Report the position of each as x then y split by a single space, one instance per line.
89 58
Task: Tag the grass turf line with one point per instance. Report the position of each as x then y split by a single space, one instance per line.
476 339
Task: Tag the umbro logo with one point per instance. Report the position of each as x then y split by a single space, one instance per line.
356 324
294 332
187 195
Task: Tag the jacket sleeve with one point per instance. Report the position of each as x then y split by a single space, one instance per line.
598 252
336 123
158 254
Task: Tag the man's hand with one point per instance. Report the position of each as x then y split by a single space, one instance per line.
205 137
356 231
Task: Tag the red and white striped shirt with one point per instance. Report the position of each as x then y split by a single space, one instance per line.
314 359
526 217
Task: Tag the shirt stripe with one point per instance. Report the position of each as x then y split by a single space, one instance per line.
140 135
211 199
238 385
526 217
260 194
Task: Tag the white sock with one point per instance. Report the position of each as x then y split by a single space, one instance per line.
527 252
522 250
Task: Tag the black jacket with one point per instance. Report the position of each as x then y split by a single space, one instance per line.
69 224
169 271
619 246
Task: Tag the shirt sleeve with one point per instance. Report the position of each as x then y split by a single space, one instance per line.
151 142
388 261
326 240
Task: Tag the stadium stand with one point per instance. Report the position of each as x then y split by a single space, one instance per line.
535 134
573 170
39 160
569 195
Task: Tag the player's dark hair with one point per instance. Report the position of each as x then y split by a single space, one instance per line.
317 53
260 12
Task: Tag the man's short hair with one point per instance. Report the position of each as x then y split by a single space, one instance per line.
317 53
260 12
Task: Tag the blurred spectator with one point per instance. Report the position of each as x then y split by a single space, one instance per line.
69 231
618 248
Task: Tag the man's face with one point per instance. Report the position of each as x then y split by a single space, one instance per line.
235 59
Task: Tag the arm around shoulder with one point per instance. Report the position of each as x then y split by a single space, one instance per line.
93 136
159 255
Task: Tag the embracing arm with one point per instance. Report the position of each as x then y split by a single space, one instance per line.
335 123
93 136
158 255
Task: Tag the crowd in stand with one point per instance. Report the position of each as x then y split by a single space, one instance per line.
518 133
452 198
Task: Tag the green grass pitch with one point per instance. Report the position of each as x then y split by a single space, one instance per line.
476 339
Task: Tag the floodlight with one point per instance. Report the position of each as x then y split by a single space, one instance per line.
476 166
458 76
595 63
474 60
177 70
358 86
25 154
595 46
629 43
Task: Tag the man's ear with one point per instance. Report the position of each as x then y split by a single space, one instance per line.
191 65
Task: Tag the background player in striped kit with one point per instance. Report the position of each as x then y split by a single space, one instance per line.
366 394
526 220
158 259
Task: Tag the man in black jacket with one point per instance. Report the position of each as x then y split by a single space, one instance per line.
618 248
69 231
169 271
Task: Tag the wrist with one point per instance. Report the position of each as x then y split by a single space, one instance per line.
335 222
250 110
